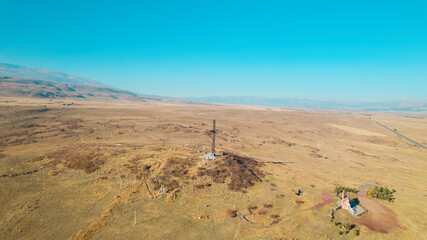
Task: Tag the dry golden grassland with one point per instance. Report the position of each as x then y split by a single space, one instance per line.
83 171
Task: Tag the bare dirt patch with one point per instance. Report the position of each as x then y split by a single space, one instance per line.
327 199
381 220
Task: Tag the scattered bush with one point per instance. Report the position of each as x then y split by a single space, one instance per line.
146 167
274 216
201 186
231 213
251 207
118 152
167 183
267 205
357 232
262 212
348 226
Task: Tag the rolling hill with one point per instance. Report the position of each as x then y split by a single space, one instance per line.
21 81
16 87
18 71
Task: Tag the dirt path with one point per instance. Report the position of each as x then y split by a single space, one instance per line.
381 220
363 189
19 174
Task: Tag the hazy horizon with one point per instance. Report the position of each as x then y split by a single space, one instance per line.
345 52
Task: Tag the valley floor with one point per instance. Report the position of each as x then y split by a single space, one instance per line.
125 170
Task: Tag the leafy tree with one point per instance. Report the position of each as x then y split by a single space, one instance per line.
347 226
339 189
382 193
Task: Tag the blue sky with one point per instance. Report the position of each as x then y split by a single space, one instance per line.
326 50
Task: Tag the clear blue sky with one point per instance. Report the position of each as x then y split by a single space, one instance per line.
339 50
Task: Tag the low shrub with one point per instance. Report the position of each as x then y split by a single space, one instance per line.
267 205
231 213
262 212
357 232
251 207
348 226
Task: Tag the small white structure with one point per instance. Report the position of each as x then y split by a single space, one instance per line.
208 156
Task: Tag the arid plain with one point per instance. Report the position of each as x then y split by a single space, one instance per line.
94 170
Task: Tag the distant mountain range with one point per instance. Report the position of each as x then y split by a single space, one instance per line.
22 72
22 81
12 87
417 106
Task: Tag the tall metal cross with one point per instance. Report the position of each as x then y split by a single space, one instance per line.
213 131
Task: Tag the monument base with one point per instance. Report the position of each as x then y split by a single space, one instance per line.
208 156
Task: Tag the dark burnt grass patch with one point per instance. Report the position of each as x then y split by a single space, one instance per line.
141 171
173 170
240 173
243 172
177 167
80 157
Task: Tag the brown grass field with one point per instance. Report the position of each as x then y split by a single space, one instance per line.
83 171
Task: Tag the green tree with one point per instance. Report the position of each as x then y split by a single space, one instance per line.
383 193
